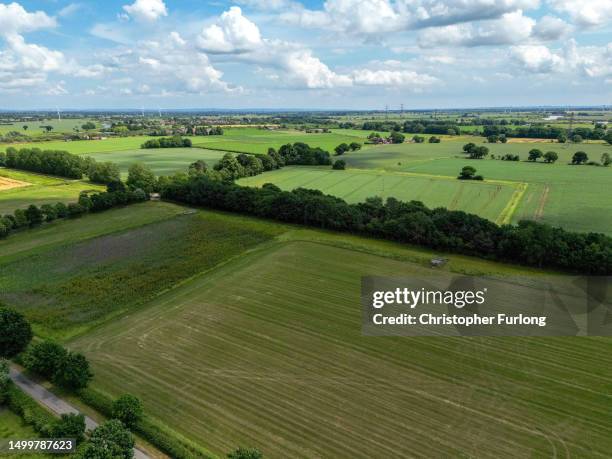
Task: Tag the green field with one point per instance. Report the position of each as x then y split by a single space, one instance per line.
486 199
572 197
401 157
163 161
250 140
238 331
68 287
85 146
43 189
12 427
34 127
266 350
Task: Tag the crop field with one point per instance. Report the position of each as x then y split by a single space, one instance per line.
486 199
78 147
64 289
249 140
573 197
266 350
38 189
163 161
402 157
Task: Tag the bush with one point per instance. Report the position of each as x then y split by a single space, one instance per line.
69 426
109 440
157 434
339 165
128 409
341 149
75 210
30 411
34 215
245 453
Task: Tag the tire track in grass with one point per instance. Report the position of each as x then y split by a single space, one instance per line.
542 203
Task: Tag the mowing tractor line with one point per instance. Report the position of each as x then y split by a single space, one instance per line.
505 217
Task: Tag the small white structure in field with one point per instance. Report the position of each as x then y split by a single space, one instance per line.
438 262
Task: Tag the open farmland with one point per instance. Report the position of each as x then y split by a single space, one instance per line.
34 127
65 288
483 198
266 350
78 147
39 190
402 157
163 161
251 140
573 197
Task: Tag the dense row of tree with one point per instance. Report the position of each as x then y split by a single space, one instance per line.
52 162
232 167
529 243
88 202
59 163
167 142
69 370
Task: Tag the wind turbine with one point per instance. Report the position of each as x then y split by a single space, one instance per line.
59 116
159 109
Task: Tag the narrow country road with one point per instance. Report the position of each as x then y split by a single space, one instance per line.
54 403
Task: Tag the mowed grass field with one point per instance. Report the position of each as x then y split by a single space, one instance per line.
40 189
266 350
354 185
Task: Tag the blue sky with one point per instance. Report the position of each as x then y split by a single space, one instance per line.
353 54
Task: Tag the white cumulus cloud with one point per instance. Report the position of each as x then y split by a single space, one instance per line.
233 33
146 10
15 19
585 13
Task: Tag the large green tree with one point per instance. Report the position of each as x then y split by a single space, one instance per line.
44 358
141 176
110 440
73 372
128 409
15 333
580 157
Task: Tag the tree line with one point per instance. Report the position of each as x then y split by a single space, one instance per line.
59 163
167 142
232 167
88 202
529 243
